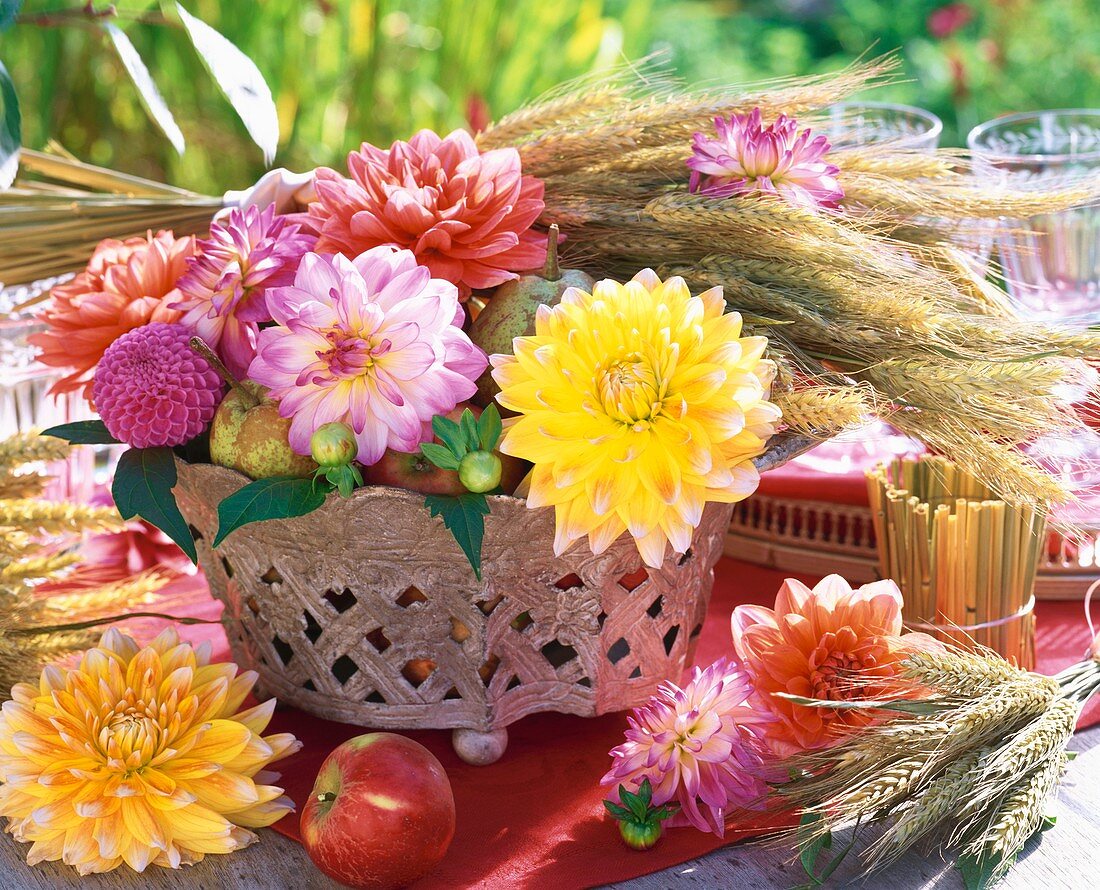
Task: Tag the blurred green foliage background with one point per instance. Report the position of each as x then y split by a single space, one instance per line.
343 71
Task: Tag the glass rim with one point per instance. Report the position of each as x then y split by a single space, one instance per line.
934 122
1035 157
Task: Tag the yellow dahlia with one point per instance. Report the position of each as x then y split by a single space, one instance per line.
139 755
638 403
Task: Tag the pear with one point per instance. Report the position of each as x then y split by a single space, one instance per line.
511 311
247 434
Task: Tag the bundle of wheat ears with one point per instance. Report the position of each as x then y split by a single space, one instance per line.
967 760
34 628
872 309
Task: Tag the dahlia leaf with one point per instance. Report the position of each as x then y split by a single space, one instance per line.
83 432
469 430
276 497
464 516
450 434
442 457
489 428
977 871
617 811
147 89
811 844
143 485
11 129
239 80
905 707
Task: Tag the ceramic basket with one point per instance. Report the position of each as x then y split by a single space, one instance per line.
366 611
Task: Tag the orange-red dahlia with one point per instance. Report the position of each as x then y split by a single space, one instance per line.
831 642
127 284
140 756
466 215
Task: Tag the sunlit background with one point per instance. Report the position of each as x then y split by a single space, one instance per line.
344 71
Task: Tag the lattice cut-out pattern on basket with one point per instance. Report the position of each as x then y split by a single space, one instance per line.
367 612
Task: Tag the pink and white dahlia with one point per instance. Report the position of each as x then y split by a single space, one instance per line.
375 342
748 158
698 746
466 215
226 281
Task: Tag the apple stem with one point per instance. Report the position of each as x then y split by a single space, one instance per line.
199 345
326 797
551 271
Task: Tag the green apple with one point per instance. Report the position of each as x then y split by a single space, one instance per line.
248 435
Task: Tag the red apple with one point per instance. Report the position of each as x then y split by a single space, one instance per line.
416 473
381 813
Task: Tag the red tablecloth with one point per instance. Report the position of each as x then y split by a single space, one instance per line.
535 818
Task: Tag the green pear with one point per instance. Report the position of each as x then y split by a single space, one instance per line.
248 435
511 311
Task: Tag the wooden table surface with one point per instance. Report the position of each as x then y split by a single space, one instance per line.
1066 858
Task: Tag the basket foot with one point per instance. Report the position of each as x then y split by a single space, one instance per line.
480 748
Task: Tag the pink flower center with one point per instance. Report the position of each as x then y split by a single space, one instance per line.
350 355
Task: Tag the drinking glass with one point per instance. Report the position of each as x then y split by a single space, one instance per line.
882 123
24 403
1051 262
902 127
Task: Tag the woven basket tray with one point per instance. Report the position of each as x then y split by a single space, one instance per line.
366 611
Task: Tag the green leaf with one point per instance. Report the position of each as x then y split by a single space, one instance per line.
811 844
620 813
9 9
143 486
11 129
345 478
489 428
469 430
147 89
277 497
450 434
83 432
239 80
977 872
906 707
439 455
464 516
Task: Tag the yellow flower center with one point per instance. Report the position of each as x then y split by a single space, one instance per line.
630 390
131 735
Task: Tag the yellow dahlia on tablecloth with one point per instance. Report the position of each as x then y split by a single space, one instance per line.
138 755
638 403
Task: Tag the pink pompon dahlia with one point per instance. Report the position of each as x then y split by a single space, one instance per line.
830 642
223 291
151 389
466 215
698 746
748 158
126 284
374 342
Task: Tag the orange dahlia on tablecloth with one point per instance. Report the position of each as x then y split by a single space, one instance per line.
830 642
127 284
139 756
465 214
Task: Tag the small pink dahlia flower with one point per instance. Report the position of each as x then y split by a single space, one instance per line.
467 216
698 746
151 389
226 281
374 342
748 158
